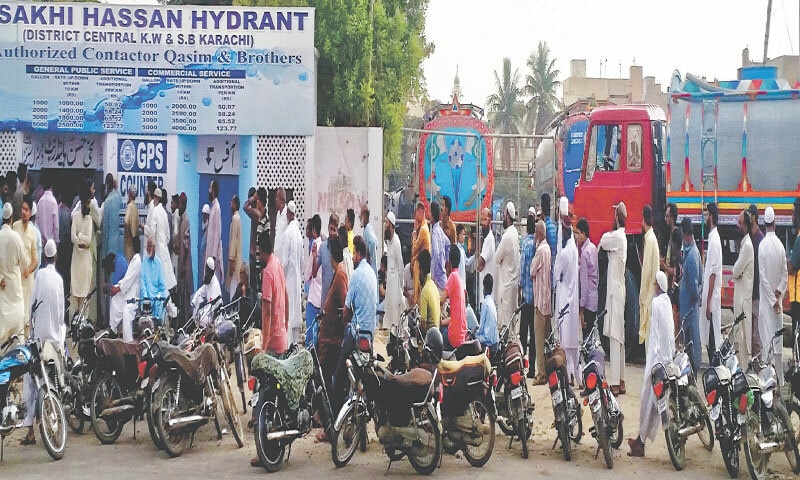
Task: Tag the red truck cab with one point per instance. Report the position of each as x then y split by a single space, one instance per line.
623 160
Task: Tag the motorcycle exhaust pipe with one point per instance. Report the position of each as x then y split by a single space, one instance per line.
272 436
685 432
113 412
191 421
770 447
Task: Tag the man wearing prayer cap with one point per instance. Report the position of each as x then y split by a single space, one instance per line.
13 259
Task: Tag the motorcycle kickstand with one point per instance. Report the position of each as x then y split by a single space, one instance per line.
289 453
510 442
555 443
597 452
2 447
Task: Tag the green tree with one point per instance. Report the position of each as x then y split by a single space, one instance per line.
508 109
541 85
369 63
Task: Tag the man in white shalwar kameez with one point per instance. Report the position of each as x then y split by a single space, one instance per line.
568 295
711 317
292 261
125 295
773 283
159 229
394 303
743 271
214 232
13 259
506 259
661 349
616 244
207 296
47 327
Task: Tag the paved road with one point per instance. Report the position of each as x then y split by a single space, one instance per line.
137 459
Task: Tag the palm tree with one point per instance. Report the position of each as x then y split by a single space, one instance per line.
541 85
508 109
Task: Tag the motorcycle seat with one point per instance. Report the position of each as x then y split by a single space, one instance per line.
197 364
452 366
755 381
467 349
118 348
417 377
292 374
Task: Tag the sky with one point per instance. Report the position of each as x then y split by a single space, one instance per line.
702 37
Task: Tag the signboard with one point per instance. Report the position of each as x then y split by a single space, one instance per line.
218 155
184 69
59 150
139 160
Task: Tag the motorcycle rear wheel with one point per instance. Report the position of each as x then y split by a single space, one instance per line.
730 455
506 426
167 404
71 403
792 454
425 457
756 462
229 405
52 424
794 416
706 435
152 428
270 452
483 421
563 437
675 447
523 431
105 391
349 433
601 430
576 432
240 375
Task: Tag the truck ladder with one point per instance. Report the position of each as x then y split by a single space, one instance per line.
708 152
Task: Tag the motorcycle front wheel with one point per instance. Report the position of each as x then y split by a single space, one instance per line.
601 430
706 435
483 427
574 412
730 455
346 438
426 451
756 461
106 391
152 428
52 424
229 406
268 420
675 447
169 404
792 454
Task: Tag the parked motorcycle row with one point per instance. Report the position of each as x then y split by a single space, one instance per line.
422 401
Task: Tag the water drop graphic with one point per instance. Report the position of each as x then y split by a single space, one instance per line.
206 101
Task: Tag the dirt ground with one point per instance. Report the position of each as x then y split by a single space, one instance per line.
137 458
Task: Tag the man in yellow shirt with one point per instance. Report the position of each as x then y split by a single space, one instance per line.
650 264
421 240
429 310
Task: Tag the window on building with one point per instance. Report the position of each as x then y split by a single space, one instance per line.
604 149
634 148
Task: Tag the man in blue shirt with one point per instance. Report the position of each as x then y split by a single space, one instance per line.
324 258
360 307
487 331
526 287
552 235
371 240
689 295
153 284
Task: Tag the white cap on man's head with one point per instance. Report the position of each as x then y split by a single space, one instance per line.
50 248
206 209
532 211
661 279
210 263
512 210
622 209
292 206
563 206
33 209
7 211
769 215
390 216
159 193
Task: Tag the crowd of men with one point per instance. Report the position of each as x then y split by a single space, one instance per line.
551 273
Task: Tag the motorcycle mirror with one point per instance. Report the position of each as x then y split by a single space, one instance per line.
780 332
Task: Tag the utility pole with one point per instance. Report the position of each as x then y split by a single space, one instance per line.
766 33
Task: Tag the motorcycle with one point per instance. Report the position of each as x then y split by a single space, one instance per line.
793 377
680 405
766 424
405 342
287 394
724 382
606 414
566 407
230 330
83 371
123 389
511 396
402 406
18 360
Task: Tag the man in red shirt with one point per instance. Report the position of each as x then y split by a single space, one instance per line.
274 315
454 328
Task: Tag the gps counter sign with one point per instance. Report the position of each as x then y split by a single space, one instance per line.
197 70
140 160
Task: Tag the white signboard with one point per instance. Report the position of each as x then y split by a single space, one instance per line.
54 150
218 155
89 67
